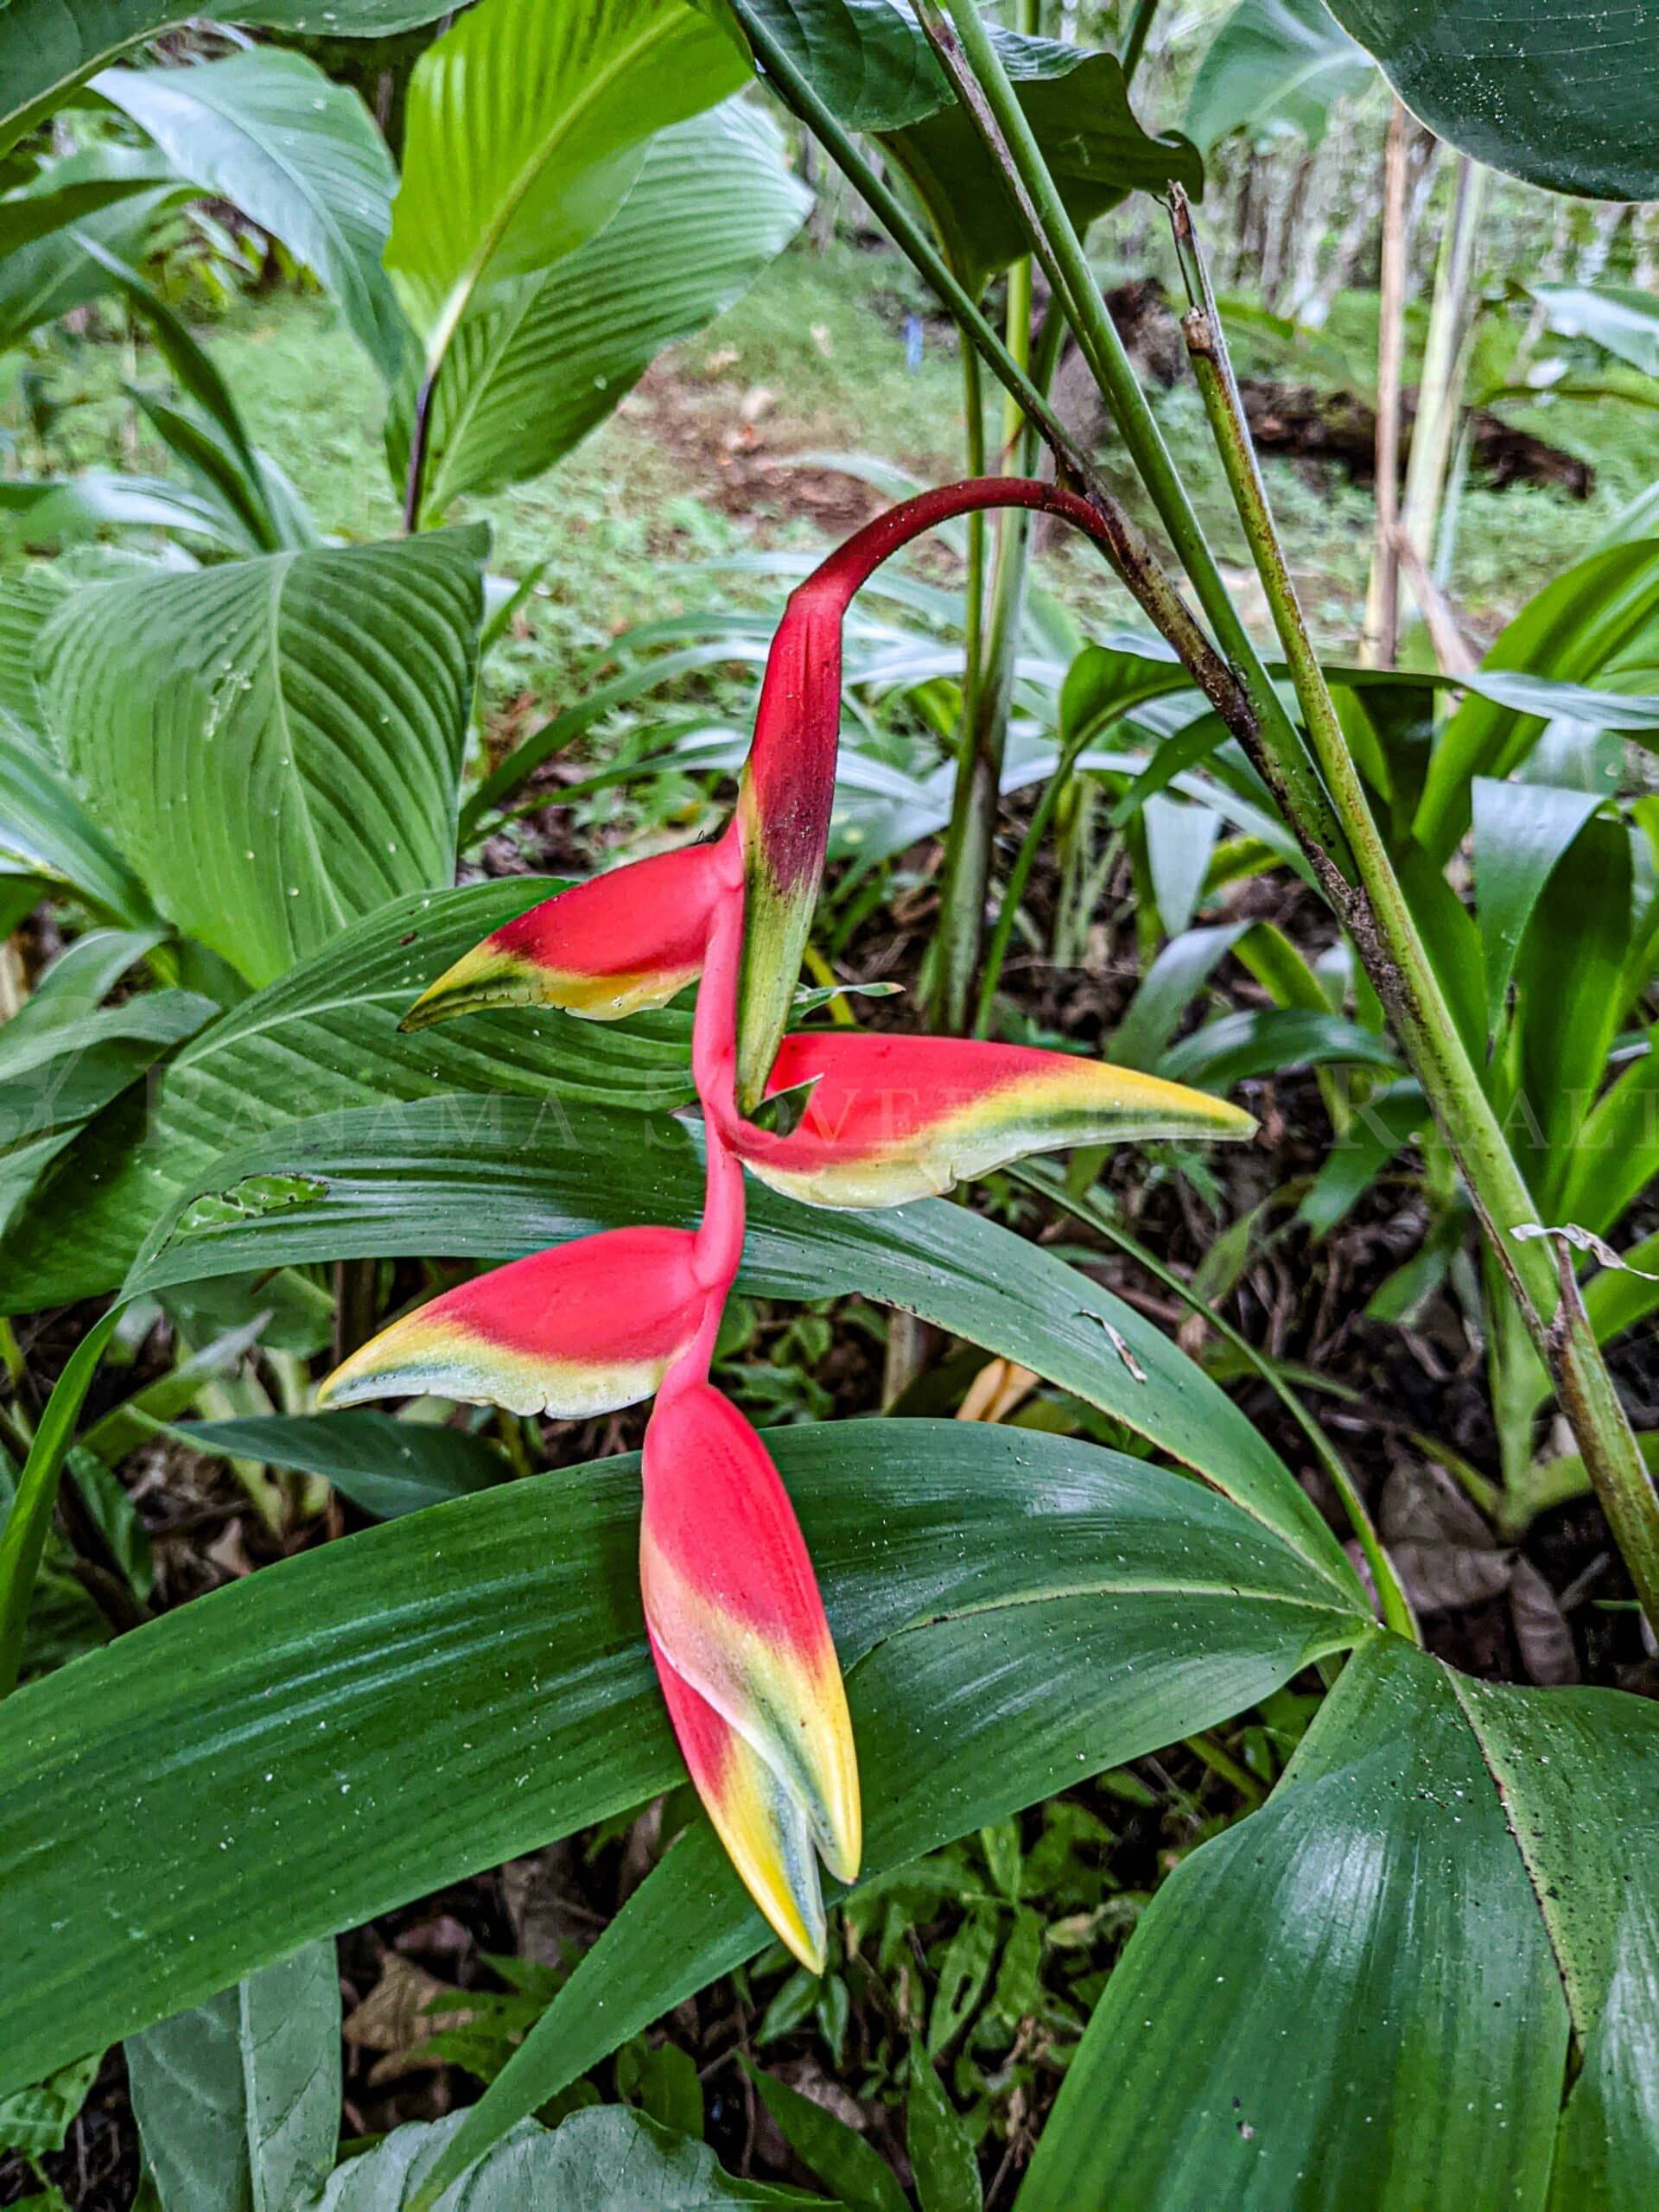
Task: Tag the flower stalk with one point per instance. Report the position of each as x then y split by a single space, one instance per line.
735 1621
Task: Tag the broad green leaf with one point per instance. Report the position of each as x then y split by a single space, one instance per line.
526 126
534 366
605 2159
1011 1720
1557 95
870 62
65 1074
1347 2003
275 743
265 130
1617 317
238 2100
386 1466
1618 1152
1236 1045
1521 832
49 46
941 2150
836 2152
321 1038
44 511
493 1179
1052 1607
1276 68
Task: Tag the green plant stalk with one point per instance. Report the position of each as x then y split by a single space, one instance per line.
1446 361
23 1542
1379 921
1134 39
982 84
1131 557
1085 1207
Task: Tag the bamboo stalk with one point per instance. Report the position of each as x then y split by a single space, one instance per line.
1380 639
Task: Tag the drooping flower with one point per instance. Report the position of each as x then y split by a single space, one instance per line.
576 1331
737 1629
886 1119
617 944
736 1622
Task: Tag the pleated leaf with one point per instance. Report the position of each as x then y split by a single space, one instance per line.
1053 1608
534 367
526 127
265 130
276 744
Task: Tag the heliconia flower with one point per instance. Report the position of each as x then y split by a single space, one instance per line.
890 1118
747 1660
576 1331
614 945
788 787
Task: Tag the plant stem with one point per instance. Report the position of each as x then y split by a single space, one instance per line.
1125 545
1379 921
420 434
1380 636
1134 39
982 84
1019 876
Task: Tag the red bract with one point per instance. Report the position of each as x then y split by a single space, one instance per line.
743 1650
610 947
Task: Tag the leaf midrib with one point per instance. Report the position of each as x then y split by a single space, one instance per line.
467 283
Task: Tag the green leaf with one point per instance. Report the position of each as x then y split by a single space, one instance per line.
1044 1602
1180 839
52 273
74 987
1388 1119
1567 997
836 2154
1443 1882
23 1541
1522 830
1237 1045
38 2120
238 2100
1617 318
1558 95
496 1178
275 743
526 125
1021 1701
1589 623
963 1972
941 2151
537 365
64 192
1169 987
1276 68
870 62
326 1037
49 46
64 1074
386 1466
1347 2002
605 2159
265 130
